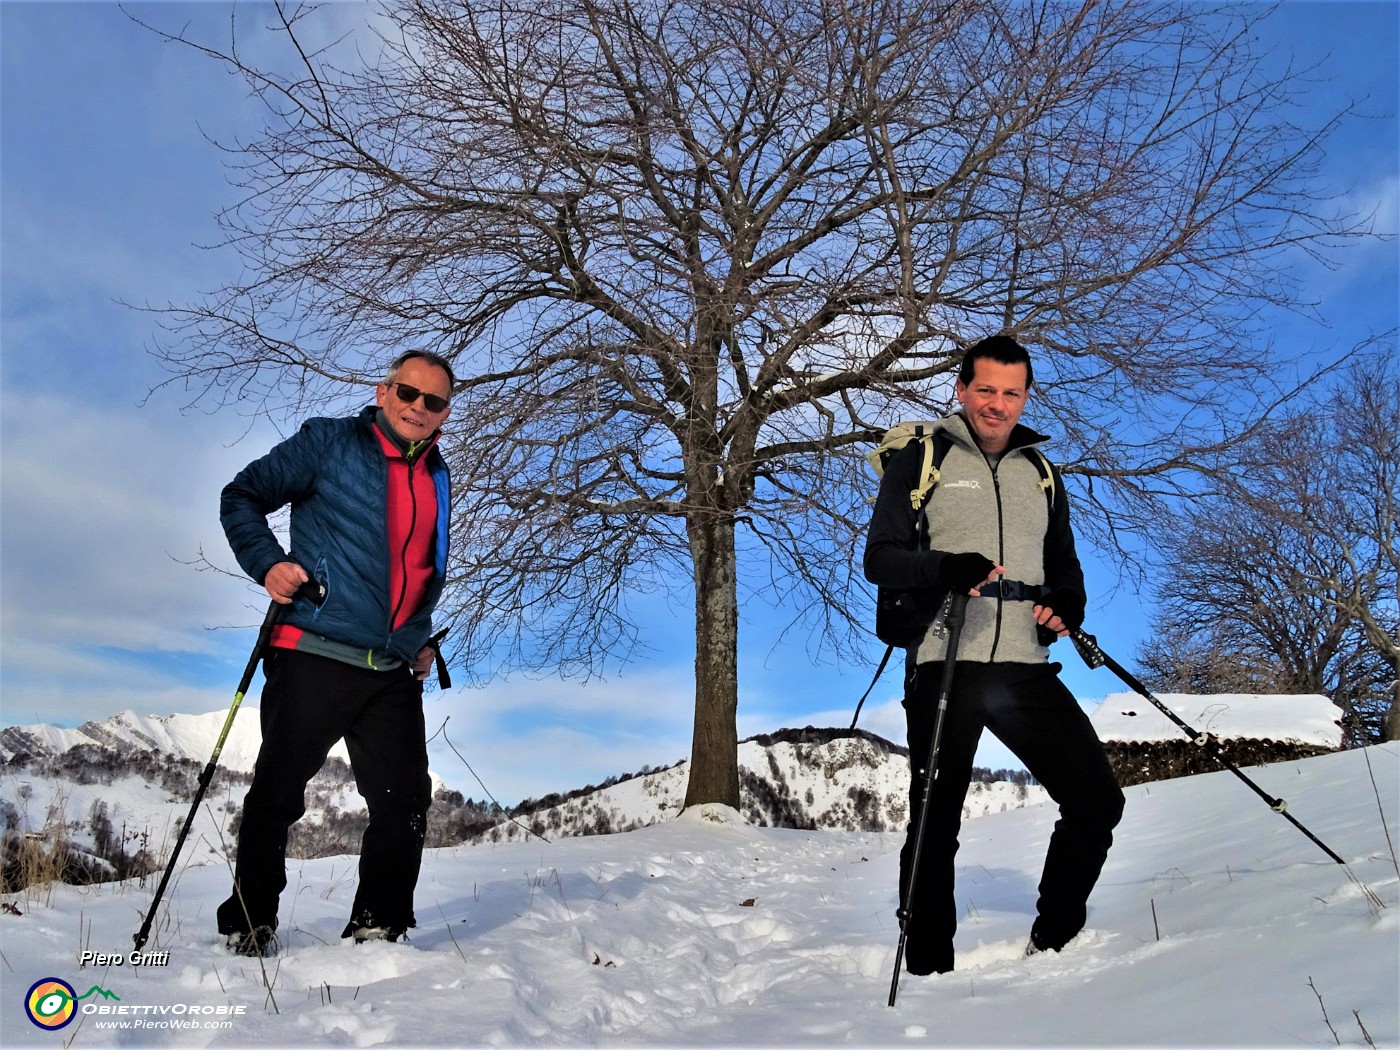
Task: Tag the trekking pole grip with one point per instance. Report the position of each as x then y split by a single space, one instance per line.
956 615
314 591
1088 647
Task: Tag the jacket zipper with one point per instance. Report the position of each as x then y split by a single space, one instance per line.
403 553
1001 554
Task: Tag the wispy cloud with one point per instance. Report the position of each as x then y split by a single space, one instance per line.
529 736
104 510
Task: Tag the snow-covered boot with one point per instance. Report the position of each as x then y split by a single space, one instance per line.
261 942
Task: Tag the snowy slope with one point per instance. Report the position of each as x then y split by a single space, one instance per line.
855 783
1215 924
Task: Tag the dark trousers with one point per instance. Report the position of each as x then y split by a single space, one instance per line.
309 703
1029 710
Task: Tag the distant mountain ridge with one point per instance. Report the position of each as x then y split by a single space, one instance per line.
178 735
124 784
794 778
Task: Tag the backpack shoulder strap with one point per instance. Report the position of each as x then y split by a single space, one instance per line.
936 447
1047 474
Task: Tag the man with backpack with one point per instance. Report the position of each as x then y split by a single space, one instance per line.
369 524
994 524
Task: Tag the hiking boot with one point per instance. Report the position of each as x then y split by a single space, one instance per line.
361 934
261 942
922 958
1039 943
926 953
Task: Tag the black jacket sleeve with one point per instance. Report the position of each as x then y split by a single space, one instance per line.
892 555
1062 569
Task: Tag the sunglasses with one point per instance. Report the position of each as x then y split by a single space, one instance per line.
409 394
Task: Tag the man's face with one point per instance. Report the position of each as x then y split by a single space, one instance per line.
993 401
413 420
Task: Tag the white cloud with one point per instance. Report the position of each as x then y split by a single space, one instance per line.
1379 204
531 736
102 510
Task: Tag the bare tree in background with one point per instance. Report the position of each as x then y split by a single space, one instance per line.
1290 581
687 255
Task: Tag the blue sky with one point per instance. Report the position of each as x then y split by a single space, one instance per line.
108 188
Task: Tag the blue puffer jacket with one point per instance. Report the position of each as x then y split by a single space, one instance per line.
335 475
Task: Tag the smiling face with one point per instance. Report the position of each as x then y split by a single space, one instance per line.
413 420
993 401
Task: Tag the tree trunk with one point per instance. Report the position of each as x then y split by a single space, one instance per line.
714 750
1390 726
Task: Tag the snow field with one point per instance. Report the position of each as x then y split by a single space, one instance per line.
1215 924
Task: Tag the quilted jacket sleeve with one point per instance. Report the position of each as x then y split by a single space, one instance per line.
284 476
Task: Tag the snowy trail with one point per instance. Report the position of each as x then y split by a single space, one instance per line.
1212 918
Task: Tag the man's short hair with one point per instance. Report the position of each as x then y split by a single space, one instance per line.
1000 348
422 355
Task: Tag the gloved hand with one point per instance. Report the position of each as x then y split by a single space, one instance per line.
960 573
1067 605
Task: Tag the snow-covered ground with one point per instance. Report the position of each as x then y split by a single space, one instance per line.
1215 924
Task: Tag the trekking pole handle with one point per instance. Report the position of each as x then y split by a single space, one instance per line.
313 591
1088 647
444 678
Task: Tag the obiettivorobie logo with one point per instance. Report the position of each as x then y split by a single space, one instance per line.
52 1004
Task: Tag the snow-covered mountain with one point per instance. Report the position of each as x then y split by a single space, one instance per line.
119 789
178 736
795 778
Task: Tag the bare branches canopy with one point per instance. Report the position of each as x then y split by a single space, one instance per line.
686 255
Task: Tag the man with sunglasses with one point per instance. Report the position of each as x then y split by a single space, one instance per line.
369 527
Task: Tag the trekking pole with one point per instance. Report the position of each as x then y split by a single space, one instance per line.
955 614
313 592
1095 657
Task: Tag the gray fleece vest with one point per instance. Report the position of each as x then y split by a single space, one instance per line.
999 512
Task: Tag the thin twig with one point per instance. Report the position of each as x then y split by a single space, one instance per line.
1380 809
1324 1011
1369 1041
448 926
238 892
442 729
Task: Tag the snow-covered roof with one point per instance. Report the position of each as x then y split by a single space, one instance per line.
1306 718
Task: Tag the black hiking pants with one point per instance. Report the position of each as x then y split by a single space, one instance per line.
309 703
1029 710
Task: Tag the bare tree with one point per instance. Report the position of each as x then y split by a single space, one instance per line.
687 254
1290 582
